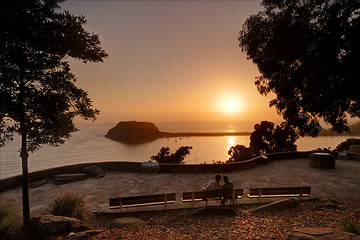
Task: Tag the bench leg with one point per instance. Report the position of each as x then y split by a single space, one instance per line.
192 199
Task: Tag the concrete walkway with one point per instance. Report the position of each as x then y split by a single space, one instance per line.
341 183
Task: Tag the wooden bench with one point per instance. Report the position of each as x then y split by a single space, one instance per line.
299 192
144 200
197 196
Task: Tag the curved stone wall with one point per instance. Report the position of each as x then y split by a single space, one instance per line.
15 181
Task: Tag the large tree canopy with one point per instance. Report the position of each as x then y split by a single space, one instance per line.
39 99
307 52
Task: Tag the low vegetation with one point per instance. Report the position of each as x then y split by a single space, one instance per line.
164 155
69 205
350 225
8 220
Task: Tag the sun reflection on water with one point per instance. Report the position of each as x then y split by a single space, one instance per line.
231 141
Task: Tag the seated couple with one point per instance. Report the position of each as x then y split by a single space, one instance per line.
216 185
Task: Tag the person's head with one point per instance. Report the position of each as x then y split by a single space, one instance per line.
218 177
226 178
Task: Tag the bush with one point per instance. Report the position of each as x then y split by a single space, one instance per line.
240 153
8 220
350 226
164 155
354 149
345 146
69 205
323 150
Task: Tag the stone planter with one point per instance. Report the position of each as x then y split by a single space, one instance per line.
322 160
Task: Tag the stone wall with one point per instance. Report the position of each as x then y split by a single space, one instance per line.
16 181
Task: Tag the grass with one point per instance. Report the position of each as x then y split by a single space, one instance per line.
8 220
352 226
70 205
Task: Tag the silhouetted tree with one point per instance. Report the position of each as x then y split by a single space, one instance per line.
267 138
307 52
345 145
261 140
39 99
164 155
240 153
284 138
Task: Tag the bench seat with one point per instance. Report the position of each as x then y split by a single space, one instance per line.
272 192
198 196
143 200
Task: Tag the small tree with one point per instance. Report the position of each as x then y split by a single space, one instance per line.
39 99
345 145
240 153
267 139
261 140
164 155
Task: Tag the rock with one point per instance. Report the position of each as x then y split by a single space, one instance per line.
320 233
149 167
68 178
210 211
38 183
94 171
84 234
49 225
278 205
342 156
126 221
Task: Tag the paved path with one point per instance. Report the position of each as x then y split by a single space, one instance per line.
341 183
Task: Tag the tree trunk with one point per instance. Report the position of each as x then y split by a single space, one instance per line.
24 154
25 181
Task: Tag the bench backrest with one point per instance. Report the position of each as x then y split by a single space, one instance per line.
114 202
280 191
212 194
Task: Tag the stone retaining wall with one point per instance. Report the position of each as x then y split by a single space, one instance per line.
12 182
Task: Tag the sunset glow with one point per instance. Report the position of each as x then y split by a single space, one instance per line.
230 103
190 68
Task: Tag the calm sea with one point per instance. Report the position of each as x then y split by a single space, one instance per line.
90 145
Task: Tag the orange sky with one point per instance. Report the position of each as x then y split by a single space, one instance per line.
171 61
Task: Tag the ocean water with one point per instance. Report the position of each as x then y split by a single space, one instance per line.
90 145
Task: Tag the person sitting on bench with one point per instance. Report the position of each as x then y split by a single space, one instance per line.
215 184
226 186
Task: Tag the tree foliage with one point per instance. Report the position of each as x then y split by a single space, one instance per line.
267 138
240 153
39 99
164 155
307 52
345 145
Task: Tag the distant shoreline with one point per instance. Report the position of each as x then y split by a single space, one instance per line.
140 132
206 134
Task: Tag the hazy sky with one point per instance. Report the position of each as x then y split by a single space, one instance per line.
171 61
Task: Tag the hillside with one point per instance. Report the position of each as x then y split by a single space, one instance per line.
139 132
135 132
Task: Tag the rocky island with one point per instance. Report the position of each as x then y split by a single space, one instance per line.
139 132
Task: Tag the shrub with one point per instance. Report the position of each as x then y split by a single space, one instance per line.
323 150
69 205
164 155
8 220
351 226
354 149
240 153
345 146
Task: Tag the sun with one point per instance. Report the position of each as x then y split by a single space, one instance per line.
230 103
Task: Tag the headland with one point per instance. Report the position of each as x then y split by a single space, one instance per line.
132 132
